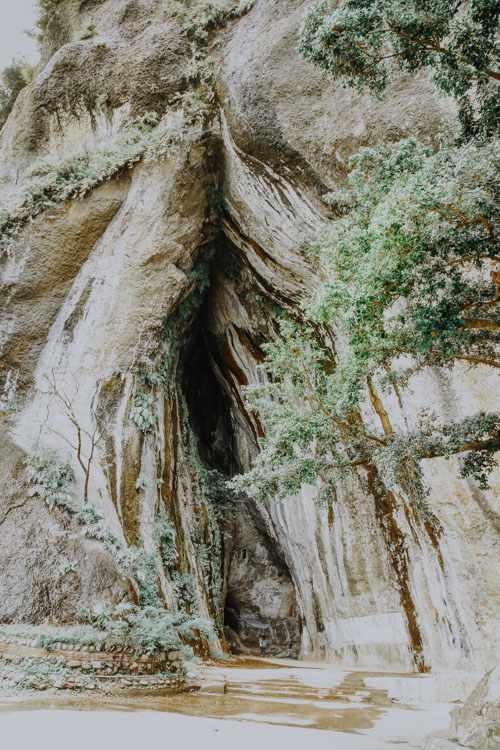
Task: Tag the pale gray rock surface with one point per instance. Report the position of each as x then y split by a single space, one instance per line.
476 723
89 287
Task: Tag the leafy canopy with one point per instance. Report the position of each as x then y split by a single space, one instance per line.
407 266
361 42
407 286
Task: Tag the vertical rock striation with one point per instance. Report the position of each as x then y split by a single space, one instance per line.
135 307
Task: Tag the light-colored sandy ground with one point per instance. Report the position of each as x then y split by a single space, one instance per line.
255 705
96 730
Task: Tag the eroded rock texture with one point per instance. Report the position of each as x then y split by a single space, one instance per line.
100 290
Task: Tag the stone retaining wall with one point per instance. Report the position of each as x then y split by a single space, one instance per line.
100 658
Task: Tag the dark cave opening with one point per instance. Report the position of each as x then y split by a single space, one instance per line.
260 596
208 405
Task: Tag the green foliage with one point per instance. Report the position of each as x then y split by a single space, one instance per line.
164 535
361 42
141 482
147 374
10 406
314 433
185 592
52 479
406 287
187 653
302 411
198 16
142 412
99 615
147 629
48 635
94 526
146 576
52 180
201 16
89 514
45 641
407 265
13 78
35 671
47 9
398 460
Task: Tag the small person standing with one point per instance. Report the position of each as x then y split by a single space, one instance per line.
263 646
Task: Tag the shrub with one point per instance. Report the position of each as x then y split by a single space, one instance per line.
146 576
10 406
142 412
13 79
47 9
95 527
200 17
164 535
47 635
52 479
141 482
37 671
147 629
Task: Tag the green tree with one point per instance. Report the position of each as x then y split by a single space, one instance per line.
407 285
410 279
13 78
361 43
47 9
408 266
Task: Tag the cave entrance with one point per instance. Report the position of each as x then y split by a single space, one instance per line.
260 597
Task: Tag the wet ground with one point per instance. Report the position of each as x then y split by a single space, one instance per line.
247 704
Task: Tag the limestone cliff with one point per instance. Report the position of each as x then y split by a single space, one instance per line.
184 160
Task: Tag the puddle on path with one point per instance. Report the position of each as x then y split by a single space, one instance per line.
291 696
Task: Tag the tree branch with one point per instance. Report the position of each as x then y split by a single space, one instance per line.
318 401
379 407
492 443
432 47
481 324
466 357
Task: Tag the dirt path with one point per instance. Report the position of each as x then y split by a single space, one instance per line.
251 704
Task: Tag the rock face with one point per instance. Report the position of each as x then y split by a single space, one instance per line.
156 291
477 722
260 592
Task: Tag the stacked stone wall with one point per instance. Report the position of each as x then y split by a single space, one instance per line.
115 665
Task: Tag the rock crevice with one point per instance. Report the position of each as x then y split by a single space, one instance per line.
146 305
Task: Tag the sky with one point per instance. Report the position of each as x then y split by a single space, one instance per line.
16 16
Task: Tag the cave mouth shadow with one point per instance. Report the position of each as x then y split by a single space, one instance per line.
209 406
251 562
